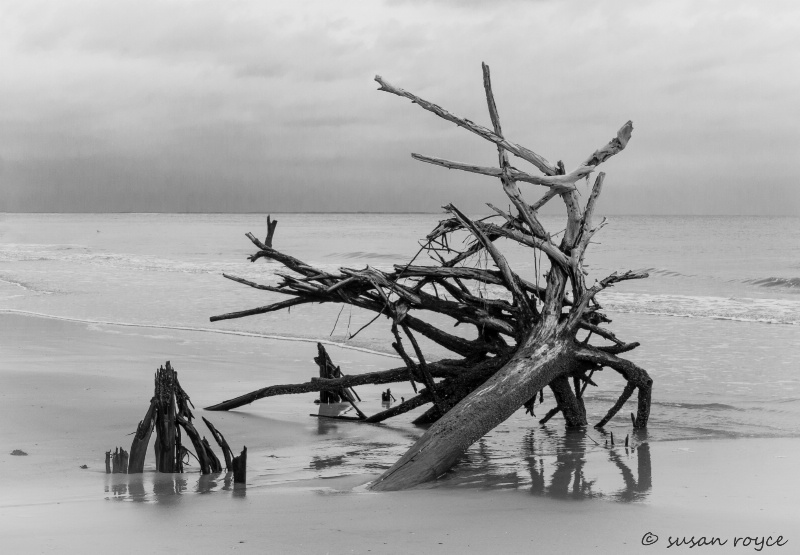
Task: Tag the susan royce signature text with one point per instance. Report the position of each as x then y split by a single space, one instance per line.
754 542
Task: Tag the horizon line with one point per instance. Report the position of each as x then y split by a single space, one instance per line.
379 212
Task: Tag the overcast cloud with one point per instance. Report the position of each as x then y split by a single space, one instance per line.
220 106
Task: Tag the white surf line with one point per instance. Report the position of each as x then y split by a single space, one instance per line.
705 316
17 283
207 330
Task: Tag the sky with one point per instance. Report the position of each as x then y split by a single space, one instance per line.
264 106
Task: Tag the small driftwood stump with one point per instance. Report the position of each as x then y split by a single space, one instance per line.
271 225
240 467
117 461
169 414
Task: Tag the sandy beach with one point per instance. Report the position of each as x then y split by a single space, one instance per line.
72 390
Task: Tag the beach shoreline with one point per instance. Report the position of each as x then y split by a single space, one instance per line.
74 390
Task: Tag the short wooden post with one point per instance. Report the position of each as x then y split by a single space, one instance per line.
240 467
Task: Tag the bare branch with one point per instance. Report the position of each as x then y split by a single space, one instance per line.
513 148
510 278
561 183
547 197
590 204
580 306
263 309
552 251
416 401
630 371
626 394
614 146
492 172
423 367
509 183
441 369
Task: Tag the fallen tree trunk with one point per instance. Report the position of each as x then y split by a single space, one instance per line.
532 367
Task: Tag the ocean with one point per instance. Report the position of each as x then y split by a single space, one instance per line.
718 319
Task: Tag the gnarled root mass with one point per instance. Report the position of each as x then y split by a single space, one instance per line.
526 332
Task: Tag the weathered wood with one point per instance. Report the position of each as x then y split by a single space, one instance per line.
326 371
203 458
398 347
166 444
626 393
339 417
550 414
521 345
170 411
560 183
239 464
271 225
511 281
214 463
440 369
532 367
141 440
643 405
401 408
220 439
517 150
423 368
117 462
571 407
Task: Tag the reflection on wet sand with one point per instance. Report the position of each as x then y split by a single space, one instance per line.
168 489
546 461
560 464
326 423
568 479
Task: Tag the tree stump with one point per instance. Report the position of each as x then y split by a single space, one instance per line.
169 413
240 467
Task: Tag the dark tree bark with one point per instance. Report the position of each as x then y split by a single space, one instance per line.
271 225
169 412
240 467
218 437
141 439
167 445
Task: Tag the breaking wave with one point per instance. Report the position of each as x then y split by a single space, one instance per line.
399 258
774 282
666 272
777 282
24 285
770 311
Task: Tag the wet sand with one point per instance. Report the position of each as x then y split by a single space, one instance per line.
71 391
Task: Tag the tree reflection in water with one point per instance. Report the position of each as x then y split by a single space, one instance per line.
154 487
568 479
563 464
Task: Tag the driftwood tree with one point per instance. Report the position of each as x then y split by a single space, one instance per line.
526 339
